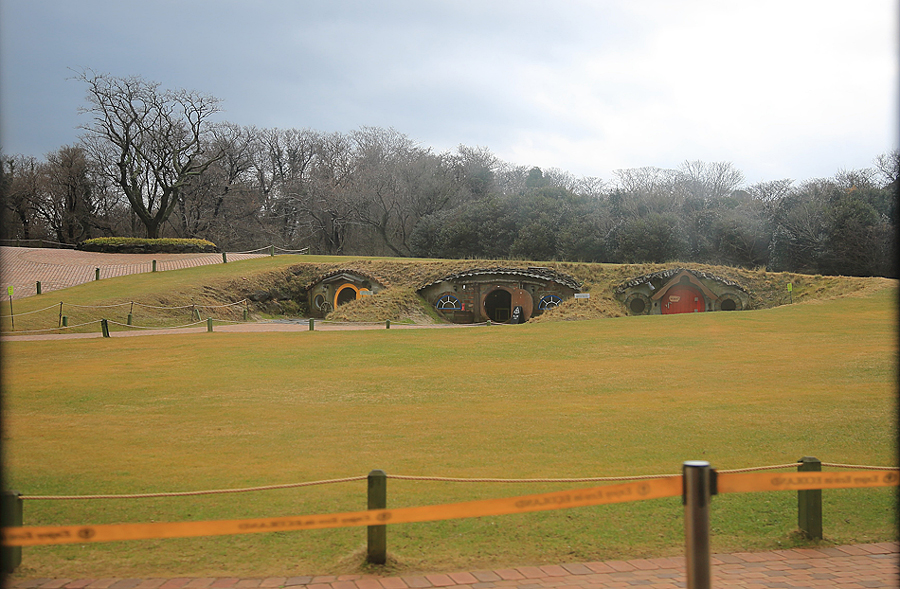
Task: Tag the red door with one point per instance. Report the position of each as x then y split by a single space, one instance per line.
682 298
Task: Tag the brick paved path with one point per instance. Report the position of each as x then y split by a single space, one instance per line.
23 267
845 567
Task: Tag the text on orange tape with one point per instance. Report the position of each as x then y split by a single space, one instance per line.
45 535
749 482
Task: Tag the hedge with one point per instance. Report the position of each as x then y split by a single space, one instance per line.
135 245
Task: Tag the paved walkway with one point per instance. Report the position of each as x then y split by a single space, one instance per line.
23 267
845 567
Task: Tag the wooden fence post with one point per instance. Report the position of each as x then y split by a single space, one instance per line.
39 287
224 258
154 265
104 327
387 323
312 324
11 508
97 274
809 503
377 535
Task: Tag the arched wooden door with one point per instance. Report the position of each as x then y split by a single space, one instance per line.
683 298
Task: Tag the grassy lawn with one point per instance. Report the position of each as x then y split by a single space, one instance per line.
630 395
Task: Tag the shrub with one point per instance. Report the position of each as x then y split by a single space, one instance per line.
134 245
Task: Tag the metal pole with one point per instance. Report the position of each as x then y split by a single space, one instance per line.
377 536
697 490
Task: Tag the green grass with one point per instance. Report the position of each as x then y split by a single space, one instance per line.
630 395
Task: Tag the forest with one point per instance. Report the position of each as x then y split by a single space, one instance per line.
155 163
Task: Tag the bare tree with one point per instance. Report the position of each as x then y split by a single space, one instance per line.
381 190
148 141
23 189
888 166
709 181
771 191
219 204
67 205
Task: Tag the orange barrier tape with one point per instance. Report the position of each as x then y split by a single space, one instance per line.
648 489
637 491
750 482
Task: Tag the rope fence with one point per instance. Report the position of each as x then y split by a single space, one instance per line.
193 493
697 483
194 324
33 312
64 327
271 249
439 479
226 312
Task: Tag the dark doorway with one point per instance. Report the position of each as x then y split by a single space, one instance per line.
345 295
498 306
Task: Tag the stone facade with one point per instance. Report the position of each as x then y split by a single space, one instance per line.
482 294
680 290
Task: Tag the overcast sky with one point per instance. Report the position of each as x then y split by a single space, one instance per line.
782 89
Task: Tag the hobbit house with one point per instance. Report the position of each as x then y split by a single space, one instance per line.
337 288
681 291
500 295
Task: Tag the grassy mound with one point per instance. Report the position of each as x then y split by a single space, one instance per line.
403 277
275 287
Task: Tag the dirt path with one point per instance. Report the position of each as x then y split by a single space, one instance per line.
261 327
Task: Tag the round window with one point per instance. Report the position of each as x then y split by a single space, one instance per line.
317 302
637 306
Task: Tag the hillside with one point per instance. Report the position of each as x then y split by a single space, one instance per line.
275 288
283 292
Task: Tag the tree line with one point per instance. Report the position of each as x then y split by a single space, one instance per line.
153 162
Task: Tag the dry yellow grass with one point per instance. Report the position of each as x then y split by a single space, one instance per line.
629 395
